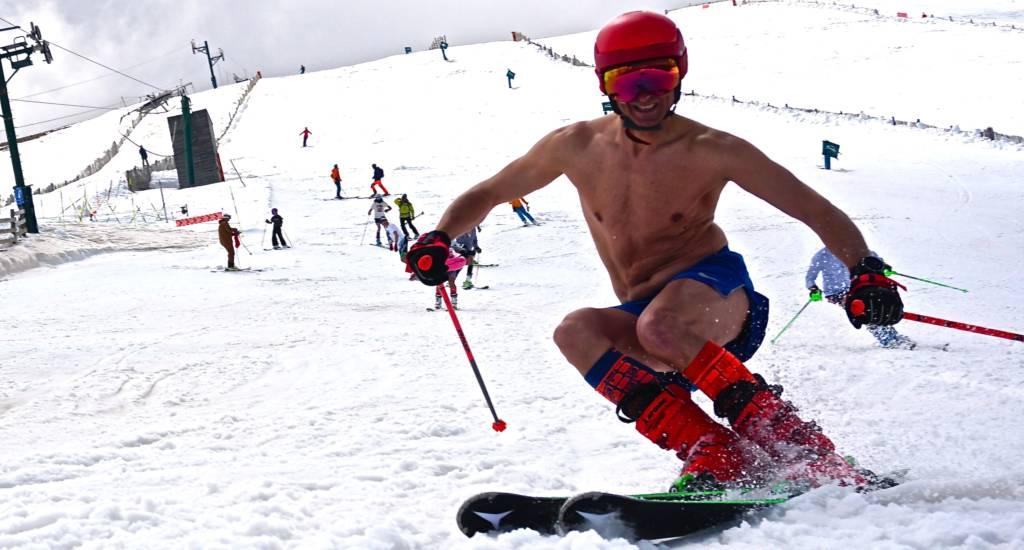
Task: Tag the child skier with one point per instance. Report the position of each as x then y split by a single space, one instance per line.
305 133
392 233
454 264
466 245
276 235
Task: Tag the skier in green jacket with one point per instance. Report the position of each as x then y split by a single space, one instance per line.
406 213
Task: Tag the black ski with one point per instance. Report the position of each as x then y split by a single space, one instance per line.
496 512
613 515
500 512
239 270
671 515
644 516
345 198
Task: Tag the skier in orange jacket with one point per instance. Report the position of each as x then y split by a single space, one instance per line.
336 176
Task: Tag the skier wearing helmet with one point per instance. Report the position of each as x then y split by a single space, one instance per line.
689 316
379 209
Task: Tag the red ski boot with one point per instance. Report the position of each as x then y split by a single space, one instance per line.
714 455
757 412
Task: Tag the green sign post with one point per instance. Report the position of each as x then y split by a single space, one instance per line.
186 118
510 75
444 47
831 151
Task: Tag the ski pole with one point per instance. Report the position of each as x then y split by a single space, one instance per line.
857 308
263 241
285 234
777 336
245 247
365 227
498 425
889 273
963 326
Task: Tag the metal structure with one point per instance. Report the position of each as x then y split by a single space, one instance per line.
211 60
19 54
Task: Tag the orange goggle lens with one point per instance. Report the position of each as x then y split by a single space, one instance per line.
630 81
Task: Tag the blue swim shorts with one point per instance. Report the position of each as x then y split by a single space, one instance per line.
723 271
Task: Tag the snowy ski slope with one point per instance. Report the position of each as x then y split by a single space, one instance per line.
146 401
815 55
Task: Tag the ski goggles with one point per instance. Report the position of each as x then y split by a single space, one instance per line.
628 82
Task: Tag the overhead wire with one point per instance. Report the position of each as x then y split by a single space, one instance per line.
109 68
88 108
57 118
91 107
174 51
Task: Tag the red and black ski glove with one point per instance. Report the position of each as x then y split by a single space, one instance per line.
427 258
873 299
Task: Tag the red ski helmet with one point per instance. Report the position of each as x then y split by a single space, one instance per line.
638 36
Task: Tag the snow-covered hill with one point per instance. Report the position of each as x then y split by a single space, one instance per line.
146 401
820 56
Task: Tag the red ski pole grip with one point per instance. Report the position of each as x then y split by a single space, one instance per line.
424 263
857 308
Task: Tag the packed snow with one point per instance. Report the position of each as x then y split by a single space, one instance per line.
818 55
148 399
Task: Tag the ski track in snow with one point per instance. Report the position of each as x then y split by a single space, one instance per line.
146 402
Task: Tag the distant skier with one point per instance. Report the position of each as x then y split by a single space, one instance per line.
379 209
467 246
406 213
305 133
403 248
336 176
454 264
228 239
277 234
392 233
302 69
144 155
521 207
378 176
835 280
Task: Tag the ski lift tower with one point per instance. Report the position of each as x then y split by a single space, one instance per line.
19 54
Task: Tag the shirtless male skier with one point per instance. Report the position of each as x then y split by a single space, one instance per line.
681 325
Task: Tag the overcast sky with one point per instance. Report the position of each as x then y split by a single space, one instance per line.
150 40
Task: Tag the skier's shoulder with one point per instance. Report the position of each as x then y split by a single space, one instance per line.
578 133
